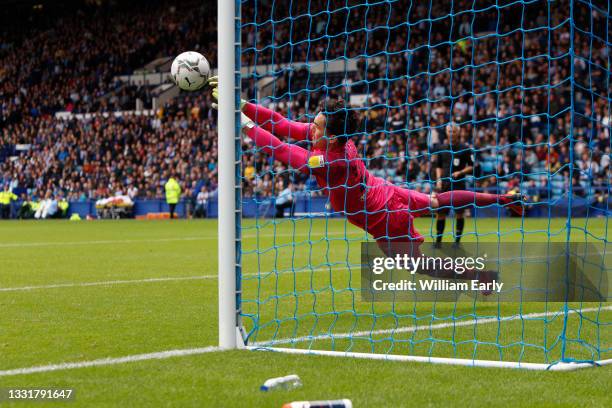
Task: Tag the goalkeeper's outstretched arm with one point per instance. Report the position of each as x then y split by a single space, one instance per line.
276 123
289 154
268 119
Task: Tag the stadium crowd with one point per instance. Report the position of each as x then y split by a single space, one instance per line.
67 60
511 88
128 154
511 94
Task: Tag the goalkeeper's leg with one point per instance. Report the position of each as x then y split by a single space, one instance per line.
462 198
420 204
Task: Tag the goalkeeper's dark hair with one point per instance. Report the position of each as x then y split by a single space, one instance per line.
341 120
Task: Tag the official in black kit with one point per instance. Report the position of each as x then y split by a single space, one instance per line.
453 162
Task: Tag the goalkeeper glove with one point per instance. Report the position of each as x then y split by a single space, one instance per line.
214 83
245 122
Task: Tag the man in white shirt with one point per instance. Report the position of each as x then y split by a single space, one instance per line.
201 203
284 200
47 207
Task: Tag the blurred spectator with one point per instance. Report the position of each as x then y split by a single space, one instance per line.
47 208
28 208
201 203
6 198
62 206
285 199
173 194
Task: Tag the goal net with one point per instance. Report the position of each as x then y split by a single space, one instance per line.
523 85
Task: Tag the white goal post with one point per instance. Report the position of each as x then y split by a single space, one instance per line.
229 88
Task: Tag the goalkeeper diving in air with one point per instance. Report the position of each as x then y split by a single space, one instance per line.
385 210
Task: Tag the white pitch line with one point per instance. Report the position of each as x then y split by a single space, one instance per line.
104 283
333 336
100 242
164 279
110 361
195 351
145 241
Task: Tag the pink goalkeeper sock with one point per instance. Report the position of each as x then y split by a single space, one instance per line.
462 198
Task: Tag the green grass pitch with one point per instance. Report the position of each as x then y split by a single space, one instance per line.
77 292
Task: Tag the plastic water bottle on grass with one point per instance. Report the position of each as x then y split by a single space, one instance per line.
287 382
343 403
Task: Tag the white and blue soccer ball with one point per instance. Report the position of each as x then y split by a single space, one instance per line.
190 71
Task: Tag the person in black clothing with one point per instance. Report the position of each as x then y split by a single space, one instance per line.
453 162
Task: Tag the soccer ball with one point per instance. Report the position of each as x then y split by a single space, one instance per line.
190 71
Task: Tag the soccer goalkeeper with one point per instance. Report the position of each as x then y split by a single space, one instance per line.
386 211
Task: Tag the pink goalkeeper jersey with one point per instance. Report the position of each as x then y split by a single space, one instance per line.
352 189
339 171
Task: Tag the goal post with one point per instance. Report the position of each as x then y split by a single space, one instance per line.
527 85
229 167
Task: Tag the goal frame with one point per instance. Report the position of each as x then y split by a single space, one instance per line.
231 333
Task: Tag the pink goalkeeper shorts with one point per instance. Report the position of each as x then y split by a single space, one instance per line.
402 207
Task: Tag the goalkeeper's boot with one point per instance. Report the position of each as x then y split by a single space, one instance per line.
515 203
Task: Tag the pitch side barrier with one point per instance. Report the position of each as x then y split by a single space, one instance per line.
318 207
